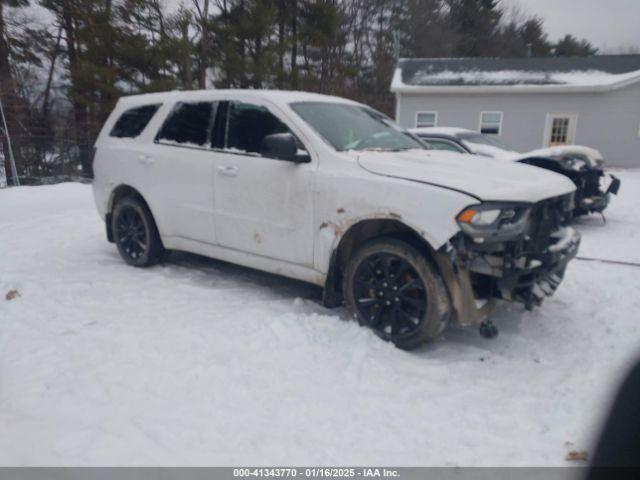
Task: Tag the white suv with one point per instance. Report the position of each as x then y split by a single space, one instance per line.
331 192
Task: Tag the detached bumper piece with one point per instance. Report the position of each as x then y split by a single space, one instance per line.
614 186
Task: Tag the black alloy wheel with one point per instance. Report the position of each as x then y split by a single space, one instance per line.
135 233
131 232
392 288
389 294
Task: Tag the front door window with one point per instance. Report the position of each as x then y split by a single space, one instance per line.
262 205
247 127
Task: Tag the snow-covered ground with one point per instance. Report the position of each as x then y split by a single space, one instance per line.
199 362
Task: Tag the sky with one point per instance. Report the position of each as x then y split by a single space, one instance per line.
608 24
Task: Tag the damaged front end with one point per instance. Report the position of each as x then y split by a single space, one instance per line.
594 187
591 195
508 251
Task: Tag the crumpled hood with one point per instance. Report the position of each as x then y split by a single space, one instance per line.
593 156
481 177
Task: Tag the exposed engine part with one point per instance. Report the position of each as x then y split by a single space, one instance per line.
526 268
592 196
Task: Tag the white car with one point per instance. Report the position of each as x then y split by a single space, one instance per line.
331 192
583 165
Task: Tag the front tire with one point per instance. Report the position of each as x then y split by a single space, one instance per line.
135 233
390 287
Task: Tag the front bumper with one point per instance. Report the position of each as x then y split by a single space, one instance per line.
540 276
525 269
588 201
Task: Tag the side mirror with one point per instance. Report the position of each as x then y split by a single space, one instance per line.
283 146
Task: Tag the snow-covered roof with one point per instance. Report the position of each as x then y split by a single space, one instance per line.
599 72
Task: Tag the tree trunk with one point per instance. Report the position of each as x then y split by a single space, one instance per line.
79 109
187 80
52 66
281 28
243 51
257 67
204 46
294 44
10 99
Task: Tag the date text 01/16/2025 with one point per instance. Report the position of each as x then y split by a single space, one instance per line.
317 472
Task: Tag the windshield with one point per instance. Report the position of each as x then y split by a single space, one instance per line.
353 127
481 139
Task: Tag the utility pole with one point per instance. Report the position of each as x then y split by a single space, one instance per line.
12 160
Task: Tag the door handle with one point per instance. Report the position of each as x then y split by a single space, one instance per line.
146 159
228 171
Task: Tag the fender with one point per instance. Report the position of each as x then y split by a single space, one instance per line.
120 191
344 238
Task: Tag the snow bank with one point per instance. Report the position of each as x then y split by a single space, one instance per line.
198 362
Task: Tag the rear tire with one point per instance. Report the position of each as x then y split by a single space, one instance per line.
390 287
135 233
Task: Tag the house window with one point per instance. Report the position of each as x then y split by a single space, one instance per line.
560 130
491 123
426 119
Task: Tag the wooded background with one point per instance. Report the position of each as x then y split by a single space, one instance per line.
64 63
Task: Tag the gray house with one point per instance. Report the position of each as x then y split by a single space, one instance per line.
529 102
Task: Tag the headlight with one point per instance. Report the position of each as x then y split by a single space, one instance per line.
494 221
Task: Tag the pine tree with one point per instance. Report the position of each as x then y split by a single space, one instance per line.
475 22
102 49
424 30
570 46
534 38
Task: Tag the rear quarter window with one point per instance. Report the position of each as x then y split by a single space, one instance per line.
133 121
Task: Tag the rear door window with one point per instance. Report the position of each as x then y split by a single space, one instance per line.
189 124
133 121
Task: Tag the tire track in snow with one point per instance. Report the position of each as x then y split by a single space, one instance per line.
610 262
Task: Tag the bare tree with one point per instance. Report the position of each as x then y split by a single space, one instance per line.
203 21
